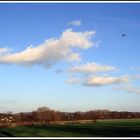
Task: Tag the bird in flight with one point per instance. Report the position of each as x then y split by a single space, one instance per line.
123 35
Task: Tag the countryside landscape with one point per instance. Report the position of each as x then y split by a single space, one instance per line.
69 69
46 122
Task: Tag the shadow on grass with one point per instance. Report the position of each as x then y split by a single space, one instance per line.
89 130
5 134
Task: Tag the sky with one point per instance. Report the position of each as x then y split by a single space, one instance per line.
69 56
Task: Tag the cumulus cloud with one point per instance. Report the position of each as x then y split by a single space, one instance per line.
51 51
91 68
129 89
73 80
105 80
75 23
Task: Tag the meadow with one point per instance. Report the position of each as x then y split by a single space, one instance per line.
102 128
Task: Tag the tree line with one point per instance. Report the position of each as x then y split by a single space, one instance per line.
44 115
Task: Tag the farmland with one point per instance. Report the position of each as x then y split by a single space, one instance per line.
102 128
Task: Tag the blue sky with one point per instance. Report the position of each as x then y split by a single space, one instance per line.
69 57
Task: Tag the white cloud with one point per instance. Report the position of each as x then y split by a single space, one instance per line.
73 80
105 80
75 23
52 50
3 51
129 89
91 68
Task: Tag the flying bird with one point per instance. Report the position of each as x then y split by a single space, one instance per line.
123 35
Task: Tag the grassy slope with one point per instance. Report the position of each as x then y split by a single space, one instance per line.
103 128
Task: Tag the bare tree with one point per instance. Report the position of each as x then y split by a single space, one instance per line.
43 109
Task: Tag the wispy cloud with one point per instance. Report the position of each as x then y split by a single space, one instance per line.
3 51
73 80
94 74
130 89
105 80
51 51
75 23
134 68
135 76
91 68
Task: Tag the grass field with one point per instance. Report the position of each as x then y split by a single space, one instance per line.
103 128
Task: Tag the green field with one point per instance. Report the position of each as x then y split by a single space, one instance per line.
103 128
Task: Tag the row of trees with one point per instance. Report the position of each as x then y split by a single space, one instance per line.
44 115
